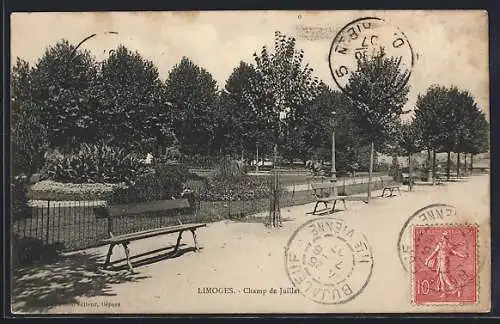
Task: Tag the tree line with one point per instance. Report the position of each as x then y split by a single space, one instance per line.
67 98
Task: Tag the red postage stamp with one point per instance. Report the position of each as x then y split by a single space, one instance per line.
444 264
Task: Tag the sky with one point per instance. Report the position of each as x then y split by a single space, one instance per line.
450 47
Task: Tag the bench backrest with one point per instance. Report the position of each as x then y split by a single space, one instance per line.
324 188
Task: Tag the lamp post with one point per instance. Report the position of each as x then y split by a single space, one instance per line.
334 171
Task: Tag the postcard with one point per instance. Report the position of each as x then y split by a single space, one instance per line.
242 162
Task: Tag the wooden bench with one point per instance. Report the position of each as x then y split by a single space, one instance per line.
390 186
174 206
326 192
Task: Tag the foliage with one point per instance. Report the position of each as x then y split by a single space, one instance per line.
409 138
244 124
132 107
285 86
228 170
379 91
166 181
29 135
450 120
245 188
91 163
61 83
19 188
192 92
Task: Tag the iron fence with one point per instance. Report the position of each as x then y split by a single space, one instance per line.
73 225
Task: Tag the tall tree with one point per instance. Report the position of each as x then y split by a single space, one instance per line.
29 135
445 117
377 114
409 142
286 86
245 125
192 91
478 136
61 84
132 107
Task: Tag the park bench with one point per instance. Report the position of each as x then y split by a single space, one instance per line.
175 206
326 192
390 187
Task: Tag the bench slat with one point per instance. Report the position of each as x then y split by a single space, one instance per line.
151 233
152 206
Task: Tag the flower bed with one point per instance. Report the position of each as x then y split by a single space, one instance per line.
52 190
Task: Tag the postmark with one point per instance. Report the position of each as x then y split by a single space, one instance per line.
436 215
329 261
362 38
444 268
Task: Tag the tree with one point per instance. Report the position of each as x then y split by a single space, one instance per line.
446 118
133 111
409 142
245 126
192 92
29 136
478 136
61 84
285 87
376 113
470 123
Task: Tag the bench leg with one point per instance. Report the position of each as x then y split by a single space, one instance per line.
178 241
195 240
315 207
333 207
345 206
383 193
399 191
127 254
108 256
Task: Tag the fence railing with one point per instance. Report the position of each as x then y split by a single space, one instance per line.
73 225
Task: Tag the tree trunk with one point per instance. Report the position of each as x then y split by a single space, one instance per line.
370 172
334 170
410 178
428 169
465 164
448 166
458 164
433 165
257 160
471 163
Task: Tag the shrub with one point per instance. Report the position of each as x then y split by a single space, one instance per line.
94 163
228 170
166 181
19 186
246 188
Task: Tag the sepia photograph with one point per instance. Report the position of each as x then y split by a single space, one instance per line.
250 162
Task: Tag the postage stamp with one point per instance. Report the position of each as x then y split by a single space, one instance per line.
436 215
444 264
329 261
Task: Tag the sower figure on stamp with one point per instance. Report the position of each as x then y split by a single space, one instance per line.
440 258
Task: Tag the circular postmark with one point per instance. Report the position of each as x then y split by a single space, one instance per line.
435 215
329 261
363 38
